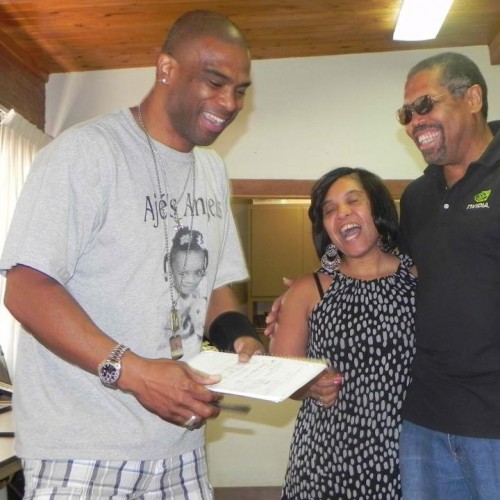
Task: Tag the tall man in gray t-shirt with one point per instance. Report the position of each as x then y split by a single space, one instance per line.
91 279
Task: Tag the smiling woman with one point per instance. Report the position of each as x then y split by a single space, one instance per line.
345 313
275 211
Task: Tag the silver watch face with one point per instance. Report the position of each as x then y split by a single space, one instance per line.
109 373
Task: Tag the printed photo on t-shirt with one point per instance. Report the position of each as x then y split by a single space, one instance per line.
187 265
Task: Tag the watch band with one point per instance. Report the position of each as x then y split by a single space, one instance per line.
117 353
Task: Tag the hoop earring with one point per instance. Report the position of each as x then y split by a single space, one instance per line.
331 258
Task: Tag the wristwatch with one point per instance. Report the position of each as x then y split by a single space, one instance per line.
110 369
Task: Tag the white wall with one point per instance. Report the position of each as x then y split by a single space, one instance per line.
302 117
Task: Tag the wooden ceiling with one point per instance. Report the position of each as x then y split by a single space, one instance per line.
54 36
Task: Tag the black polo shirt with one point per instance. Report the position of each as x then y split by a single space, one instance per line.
453 235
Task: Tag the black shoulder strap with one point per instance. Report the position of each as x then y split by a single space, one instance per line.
318 284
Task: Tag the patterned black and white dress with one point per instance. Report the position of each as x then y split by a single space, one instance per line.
350 451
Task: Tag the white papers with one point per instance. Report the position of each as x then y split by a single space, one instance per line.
264 377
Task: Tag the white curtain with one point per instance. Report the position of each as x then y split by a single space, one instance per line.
19 142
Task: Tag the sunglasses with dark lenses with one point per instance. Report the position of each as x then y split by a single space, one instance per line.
421 106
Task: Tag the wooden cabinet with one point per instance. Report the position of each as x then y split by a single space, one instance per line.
279 245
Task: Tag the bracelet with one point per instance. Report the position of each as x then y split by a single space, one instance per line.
229 326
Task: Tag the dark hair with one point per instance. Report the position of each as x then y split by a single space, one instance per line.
185 239
384 213
458 73
201 23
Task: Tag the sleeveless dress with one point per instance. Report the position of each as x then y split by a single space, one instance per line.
350 451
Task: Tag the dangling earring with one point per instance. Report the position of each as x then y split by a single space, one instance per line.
384 243
331 259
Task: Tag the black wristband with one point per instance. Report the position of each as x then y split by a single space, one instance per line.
227 327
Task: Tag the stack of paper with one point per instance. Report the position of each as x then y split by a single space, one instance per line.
264 377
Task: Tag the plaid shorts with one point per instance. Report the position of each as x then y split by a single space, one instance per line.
184 477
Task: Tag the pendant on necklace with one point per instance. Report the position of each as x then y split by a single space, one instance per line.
178 223
175 215
176 349
174 320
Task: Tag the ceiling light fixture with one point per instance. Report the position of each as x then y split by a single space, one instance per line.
421 19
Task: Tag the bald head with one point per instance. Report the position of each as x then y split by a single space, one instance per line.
198 24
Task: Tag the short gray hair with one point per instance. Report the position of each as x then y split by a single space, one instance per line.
458 73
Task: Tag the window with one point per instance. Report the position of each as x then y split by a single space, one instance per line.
19 142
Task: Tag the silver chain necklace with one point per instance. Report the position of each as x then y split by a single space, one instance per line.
175 340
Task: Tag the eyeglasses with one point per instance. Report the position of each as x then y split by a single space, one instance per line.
423 105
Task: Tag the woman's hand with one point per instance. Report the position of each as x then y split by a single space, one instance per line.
325 388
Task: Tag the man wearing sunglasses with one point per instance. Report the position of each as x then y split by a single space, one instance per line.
450 225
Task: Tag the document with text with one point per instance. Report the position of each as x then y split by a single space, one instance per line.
269 378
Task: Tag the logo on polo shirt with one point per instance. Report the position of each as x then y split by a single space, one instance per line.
481 200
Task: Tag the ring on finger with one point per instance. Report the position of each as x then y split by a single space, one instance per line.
191 422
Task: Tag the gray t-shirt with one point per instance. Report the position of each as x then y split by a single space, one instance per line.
89 216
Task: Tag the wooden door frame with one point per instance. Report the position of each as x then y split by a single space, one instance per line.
294 188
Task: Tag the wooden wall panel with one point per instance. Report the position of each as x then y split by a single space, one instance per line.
292 188
22 87
495 49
